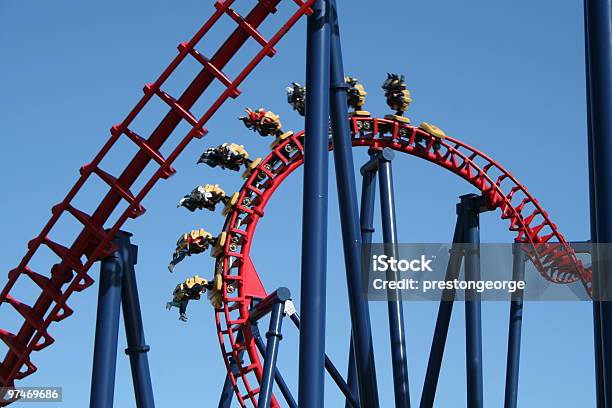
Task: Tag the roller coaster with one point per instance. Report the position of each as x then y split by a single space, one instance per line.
240 298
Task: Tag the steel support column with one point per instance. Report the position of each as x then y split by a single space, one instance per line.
137 347
273 337
118 288
470 209
597 305
515 323
333 372
443 320
107 325
227 393
278 378
314 220
366 219
394 304
349 218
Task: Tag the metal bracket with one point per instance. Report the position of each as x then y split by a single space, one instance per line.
135 350
275 334
289 308
477 203
376 156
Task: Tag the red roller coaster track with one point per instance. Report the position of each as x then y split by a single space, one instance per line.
556 261
94 241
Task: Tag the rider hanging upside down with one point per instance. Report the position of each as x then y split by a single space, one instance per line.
264 122
191 289
194 242
227 156
207 196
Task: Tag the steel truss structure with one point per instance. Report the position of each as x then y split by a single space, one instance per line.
245 301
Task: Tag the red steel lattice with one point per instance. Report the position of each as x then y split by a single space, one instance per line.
556 261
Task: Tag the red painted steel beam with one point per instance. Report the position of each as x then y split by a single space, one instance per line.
142 159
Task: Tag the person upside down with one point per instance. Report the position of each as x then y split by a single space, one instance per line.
191 243
192 289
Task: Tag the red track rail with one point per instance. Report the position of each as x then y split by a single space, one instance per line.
556 261
94 241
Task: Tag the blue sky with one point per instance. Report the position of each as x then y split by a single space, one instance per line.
505 77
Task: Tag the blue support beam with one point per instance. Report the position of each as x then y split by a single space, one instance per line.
366 219
118 288
107 324
333 372
515 323
597 21
368 196
278 378
274 304
470 209
137 347
314 219
273 337
227 393
443 320
351 399
349 218
397 334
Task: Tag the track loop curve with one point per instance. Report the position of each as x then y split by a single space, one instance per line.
556 261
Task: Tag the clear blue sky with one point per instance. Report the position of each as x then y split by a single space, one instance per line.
506 77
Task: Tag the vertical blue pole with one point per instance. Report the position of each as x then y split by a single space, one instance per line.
597 337
314 219
514 329
443 320
366 217
473 323
227 393
599 52
333 371
278 377
394 304
137 348
349 218
273 337
107 325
